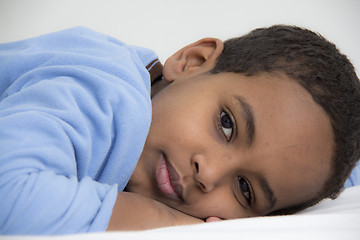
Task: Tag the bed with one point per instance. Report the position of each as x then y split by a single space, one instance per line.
330 219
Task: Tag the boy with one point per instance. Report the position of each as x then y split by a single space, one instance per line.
264 124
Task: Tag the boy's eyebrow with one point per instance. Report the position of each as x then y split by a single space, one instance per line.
269 194
248 115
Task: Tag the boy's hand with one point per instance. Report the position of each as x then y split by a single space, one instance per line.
213 219
135 212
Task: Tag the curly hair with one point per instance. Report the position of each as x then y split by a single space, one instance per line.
319 67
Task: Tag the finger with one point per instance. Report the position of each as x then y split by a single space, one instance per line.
213 219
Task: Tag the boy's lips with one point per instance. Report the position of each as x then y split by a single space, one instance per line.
168 179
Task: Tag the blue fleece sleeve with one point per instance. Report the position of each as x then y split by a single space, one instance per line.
75 110
40 192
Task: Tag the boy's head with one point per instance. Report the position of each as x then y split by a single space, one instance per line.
262 124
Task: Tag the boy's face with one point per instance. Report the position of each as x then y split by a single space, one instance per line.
232 146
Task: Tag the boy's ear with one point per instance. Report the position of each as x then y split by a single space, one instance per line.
196 58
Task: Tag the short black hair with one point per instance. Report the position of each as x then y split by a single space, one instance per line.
319 67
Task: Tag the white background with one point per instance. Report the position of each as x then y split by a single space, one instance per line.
166 25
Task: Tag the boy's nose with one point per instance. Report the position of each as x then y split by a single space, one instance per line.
206 173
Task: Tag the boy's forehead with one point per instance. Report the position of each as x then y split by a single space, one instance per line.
276 85
293 124
266 79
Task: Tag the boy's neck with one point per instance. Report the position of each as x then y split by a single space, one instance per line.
158 85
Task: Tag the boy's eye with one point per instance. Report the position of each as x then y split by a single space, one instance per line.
227 125
245 188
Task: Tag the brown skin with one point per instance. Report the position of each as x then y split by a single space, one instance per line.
133 211
217 167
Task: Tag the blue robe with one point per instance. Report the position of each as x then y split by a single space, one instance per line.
75 110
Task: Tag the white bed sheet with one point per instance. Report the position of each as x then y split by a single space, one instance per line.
330 219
